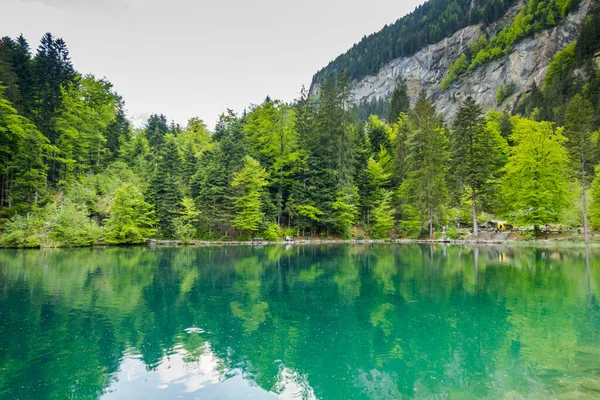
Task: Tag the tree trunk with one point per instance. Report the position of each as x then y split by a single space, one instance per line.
474 209
430 223
585 219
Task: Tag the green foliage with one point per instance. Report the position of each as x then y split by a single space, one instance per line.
477 154
71 165
23 231
272 233
504 92
87 110
535 184
595 203
383 217
250 180
70 225
424 191
60 223
185 226
400 102
535 16
457 68
132 220
560 64
346 211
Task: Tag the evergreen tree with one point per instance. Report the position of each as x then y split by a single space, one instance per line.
476 153
400 102
164 193
578 130
270 130
379 135
424 190
383 217
117 131
346 211
402 129
156 129
8 77
211 187
52 71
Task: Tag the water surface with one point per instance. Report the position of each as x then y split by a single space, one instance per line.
320 322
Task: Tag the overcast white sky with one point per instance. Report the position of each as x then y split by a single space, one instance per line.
187 58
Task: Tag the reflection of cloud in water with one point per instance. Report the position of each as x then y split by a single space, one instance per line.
175 378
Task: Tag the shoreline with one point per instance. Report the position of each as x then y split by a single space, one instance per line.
558 242
151 243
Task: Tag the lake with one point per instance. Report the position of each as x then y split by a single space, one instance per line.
300 322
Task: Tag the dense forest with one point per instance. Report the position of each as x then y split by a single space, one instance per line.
428 24
75 172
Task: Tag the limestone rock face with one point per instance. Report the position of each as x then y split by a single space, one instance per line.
528 62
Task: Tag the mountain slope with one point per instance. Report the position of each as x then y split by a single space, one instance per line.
428 24
512 70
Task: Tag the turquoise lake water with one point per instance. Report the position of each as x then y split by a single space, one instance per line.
318 322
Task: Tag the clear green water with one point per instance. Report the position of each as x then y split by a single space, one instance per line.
339 322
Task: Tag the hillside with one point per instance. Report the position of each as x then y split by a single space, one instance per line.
494 62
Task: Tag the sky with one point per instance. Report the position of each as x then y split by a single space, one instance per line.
185 58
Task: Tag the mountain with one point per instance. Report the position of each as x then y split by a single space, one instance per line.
492 51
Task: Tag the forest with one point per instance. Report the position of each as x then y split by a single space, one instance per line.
75 172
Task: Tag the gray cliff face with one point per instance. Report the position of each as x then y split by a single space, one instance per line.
527 63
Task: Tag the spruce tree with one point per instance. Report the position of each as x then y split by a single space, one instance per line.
156 129
400 102
164 192
424 188
52 71
476 154
578 118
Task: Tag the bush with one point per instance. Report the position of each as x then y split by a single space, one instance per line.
58 224
504 92
272 233
69 225
22 231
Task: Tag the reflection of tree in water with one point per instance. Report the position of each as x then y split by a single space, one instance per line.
342 322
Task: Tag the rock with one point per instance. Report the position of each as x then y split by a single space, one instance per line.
527 63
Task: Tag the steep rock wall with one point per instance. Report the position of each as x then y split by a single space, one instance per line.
528 62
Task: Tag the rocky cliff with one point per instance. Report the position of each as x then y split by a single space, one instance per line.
527 63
